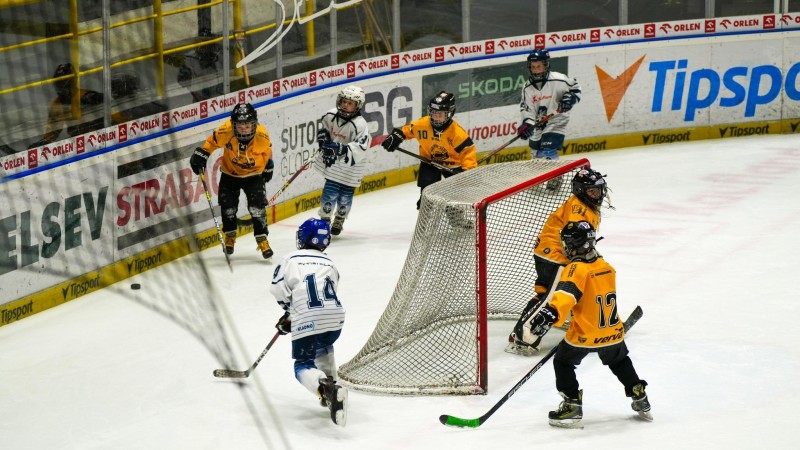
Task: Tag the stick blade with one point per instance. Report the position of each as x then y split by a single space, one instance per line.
225 373
457 422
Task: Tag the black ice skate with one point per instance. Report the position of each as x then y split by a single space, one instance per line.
335 397
639 402
569 413
338 224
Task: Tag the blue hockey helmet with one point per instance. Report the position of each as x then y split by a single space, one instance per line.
538 55
314 233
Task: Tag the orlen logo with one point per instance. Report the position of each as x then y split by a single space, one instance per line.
452 51
221 105
203 109
649 30
312 79
285 85
351 70
609 33
439 53
665 28
396 61
80 145
362 66
122 132
539 41
737 85
554 38
490 47
769 22
165 116
711 26
406 58
276 88
613 89
242 97
725 23
594 35
33 159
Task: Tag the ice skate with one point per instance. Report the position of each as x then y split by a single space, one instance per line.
338 224
569 413
335 397
639 402
230 241
518 347
263 246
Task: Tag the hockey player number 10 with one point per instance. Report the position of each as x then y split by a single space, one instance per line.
328 291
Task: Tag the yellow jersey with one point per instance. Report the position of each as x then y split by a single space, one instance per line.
589 290
451 148
548 243
240 160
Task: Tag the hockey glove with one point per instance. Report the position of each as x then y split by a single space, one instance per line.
323 137
543 320
393 140
266 175
198 161
526 129
333 148
284 324
567 102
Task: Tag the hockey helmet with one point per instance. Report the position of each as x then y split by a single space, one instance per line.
578 239
314 233
444 102
538 55
353 93
590 187
244 113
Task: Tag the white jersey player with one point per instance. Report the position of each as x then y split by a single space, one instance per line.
344 143
305 285
546 92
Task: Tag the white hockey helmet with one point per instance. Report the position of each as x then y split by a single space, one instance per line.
354 94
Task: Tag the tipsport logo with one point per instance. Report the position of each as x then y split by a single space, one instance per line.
677 88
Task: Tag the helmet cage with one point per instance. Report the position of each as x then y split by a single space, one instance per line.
353 93
444 102
244 113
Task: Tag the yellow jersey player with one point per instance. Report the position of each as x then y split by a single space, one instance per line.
588 192
246 166
441 140
588 290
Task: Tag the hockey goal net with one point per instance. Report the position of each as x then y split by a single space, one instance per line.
470 260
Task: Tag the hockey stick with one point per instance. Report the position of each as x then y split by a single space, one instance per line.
453 421
497 150
227 373
427 161
271 201
219 230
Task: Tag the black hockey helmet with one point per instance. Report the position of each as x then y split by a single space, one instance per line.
63 88
538 55
244 113
446 102
578 239
592 181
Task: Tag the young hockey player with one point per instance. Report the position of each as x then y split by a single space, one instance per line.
588 192
305 286
546 92
587 289
441 140
344 144
246 166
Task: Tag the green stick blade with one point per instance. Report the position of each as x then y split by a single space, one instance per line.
451 421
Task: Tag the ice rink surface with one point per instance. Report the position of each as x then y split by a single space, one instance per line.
704 237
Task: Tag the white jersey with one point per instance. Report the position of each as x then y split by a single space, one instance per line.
542 99
351 167
305 284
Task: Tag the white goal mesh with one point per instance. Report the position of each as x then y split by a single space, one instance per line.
471 259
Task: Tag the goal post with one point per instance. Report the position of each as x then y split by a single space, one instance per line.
470 261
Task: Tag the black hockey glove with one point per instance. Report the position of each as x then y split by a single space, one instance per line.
284 325
323 137
393 140
567 102
266 175
526 129
198 161
543 320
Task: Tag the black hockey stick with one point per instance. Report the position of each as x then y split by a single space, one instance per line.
219 230
453 421
427 161
227 373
